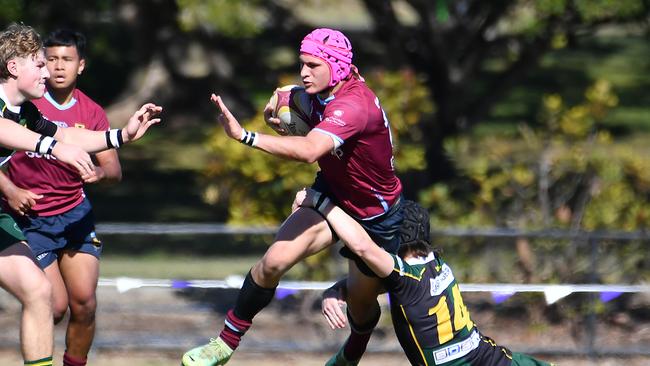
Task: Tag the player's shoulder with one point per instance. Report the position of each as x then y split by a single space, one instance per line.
29 110
349 104
406 269
87 101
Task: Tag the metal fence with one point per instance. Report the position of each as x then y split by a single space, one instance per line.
593 239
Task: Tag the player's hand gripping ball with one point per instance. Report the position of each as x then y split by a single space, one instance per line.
292 106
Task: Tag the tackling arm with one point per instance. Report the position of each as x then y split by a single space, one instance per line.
352 234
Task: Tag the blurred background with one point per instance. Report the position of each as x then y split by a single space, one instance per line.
522 125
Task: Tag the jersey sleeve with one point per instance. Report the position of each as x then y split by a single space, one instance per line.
35 121
395 280
342 120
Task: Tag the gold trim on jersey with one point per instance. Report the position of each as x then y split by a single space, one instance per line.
415 340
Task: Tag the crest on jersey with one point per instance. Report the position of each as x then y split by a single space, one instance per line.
79 125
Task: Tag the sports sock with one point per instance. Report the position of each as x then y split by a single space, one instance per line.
47 361
73 361
233 330
251 300
355 345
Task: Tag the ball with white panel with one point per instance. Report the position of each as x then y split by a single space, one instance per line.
292 106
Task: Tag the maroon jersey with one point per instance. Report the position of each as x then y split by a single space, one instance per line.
359 172
59 183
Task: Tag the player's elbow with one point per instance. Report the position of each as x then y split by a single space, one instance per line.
113 176
310 159
361 246
117 178
309 155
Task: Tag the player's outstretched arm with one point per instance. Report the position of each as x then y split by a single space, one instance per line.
351 233
16 137
306 149
95 141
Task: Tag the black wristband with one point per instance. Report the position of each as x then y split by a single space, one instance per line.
320 203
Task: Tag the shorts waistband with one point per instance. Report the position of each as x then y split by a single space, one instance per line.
457 350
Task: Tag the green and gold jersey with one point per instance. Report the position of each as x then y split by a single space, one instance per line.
28 116
426 305
433 324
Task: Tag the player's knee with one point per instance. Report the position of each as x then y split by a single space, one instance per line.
272 267
58 315
83 309
37 291
362 305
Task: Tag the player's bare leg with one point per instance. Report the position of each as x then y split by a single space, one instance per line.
59 292
80 272
21 276
302 234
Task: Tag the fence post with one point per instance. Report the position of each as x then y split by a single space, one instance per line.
591 323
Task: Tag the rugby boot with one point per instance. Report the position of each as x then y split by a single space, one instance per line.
339 360
214 353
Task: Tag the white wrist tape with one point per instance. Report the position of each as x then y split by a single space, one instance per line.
114 138
249 138
45 145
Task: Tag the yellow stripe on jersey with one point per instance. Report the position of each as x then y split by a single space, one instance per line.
415 340
409 275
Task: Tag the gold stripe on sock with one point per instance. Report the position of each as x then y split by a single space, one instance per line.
47 361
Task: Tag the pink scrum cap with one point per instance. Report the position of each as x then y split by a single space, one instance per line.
332 47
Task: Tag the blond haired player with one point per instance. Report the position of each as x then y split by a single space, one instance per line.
22 78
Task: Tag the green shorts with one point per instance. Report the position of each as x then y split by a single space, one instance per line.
10 233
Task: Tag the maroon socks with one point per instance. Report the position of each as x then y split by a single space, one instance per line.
233 330
73 361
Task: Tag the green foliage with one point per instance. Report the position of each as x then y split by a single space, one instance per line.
569 173
233 18
11 10
406 102
257 188
593 10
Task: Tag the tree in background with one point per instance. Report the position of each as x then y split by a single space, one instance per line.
468 55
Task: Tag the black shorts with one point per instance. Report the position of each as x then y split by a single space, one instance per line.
383 230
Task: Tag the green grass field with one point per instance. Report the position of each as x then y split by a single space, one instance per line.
181 267
175 267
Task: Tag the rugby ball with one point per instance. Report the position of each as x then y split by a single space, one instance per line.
292 105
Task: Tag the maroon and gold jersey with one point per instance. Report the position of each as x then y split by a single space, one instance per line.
59 183
359 172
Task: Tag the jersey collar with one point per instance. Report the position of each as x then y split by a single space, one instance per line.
9 106
61 107
421 260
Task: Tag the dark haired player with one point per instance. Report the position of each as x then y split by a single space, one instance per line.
431 322
49 203
22 78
